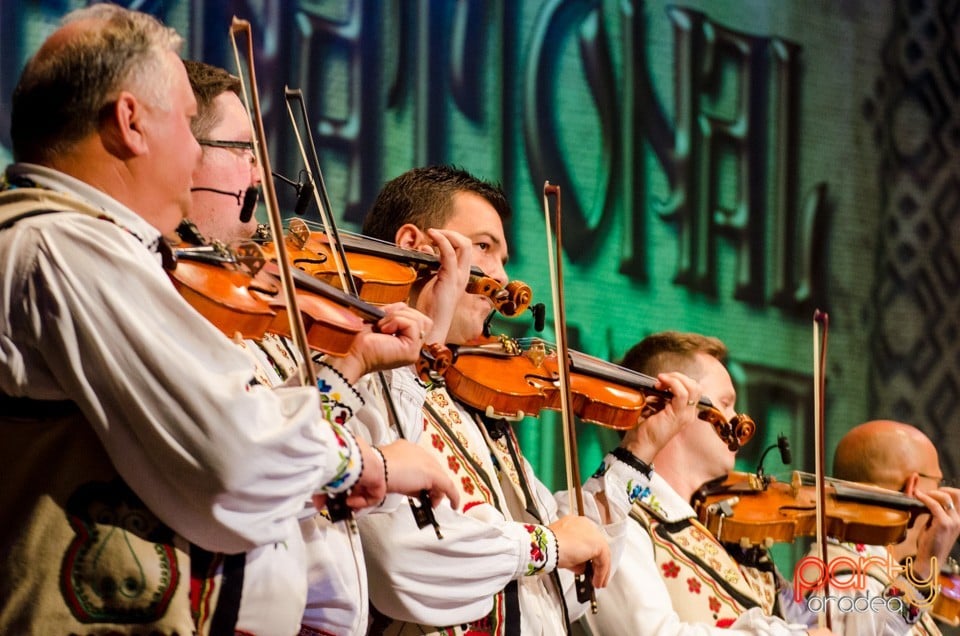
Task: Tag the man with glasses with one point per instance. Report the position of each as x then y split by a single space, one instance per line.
897 457
336 600
228 167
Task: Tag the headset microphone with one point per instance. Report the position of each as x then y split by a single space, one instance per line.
250 199
304 194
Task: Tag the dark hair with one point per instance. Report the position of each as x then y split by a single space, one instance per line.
671 351
423 197
208 82
65 86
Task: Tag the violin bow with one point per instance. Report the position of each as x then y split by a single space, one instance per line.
336 504
584 581
251 97
423 509
820 325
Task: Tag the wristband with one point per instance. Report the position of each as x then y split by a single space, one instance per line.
633 461
385 474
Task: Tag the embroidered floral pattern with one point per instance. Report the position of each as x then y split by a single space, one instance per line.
436 441
453 464
650 500
670 569
348 467
467 484
538 548
714 604
909 611
635 492
693 585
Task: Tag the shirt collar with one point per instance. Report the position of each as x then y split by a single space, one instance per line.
120 214
664 500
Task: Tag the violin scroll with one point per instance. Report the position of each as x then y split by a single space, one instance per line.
735 432
510 300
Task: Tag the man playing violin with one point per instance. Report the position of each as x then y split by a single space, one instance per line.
337 589
505 563
898 457
674 576
145 460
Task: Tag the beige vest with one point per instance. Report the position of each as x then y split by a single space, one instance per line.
82 553
705 583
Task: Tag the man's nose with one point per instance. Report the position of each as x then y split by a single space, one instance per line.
496 271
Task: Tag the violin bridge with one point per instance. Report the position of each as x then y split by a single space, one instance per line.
536 353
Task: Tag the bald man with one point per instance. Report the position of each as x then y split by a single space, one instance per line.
901 458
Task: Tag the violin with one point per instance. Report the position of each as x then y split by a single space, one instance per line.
750 510
385 273
946 605
231 289
513 378
378 280
238 291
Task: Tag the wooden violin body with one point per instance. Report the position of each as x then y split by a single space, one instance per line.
383 273
377 280
512 379
946 606
748 510
234 293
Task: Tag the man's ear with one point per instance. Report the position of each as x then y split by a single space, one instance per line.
910 485
121 127
410 237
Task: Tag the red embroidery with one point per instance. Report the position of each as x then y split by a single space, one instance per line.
671 570
468 506
536 553
693 585
437 442
725 622
714 604
453 464
467 485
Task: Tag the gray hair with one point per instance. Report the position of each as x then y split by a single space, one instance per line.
65 86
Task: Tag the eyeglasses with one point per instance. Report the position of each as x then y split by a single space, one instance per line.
942 482
246 146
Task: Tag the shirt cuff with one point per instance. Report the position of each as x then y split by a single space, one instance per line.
339 400
346 456
538 549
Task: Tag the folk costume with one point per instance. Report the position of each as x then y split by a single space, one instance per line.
337 602
494 571
142 459
676 578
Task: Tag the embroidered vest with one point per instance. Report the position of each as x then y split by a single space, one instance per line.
705 584
476 477
83 554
